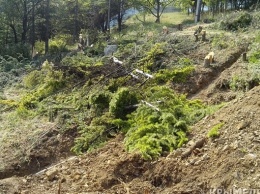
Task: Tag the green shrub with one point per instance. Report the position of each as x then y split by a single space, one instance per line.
100 99
154 54
18 51
239 83
214 131
40 47
48 82
162 128
122 99
57 45
78 60
33 79
220 42
236 21
184 62
8 63
84 141
178 75
254 72
254 50
93 135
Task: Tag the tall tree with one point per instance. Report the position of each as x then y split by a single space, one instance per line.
119 8
154 7
47 25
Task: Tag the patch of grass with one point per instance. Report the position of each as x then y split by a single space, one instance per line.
170 19
214 131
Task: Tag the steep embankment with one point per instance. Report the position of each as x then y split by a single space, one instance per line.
230 160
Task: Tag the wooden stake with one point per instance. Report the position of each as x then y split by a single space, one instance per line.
59 187
196 37
244 57
203 35
180 27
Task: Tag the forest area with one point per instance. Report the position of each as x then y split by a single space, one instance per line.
26 23
129 96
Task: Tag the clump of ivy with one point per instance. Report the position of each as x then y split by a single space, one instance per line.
158 129
214 131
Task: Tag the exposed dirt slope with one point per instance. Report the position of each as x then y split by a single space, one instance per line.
230 161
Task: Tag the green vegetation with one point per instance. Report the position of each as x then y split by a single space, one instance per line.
214 131
122 99
252 78
236 21
154 131
87 92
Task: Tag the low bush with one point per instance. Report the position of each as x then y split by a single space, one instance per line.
178 75
148 62
100 99
236 21
17 51
120 102
33 79
8 63
162 127
220 41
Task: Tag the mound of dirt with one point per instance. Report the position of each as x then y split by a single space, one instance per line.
227 162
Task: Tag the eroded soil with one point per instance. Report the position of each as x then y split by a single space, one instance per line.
203 164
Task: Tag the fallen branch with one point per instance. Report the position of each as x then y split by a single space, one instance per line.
134 76
49 168
145 74
150 105
116 61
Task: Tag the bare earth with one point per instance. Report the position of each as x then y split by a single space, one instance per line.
203 165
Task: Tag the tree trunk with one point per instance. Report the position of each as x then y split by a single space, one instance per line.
119 21
108 16
119 16
158 8
33 29
15 33
47 26
198 10
25 22
75 32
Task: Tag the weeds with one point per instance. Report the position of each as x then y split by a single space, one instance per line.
214 131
